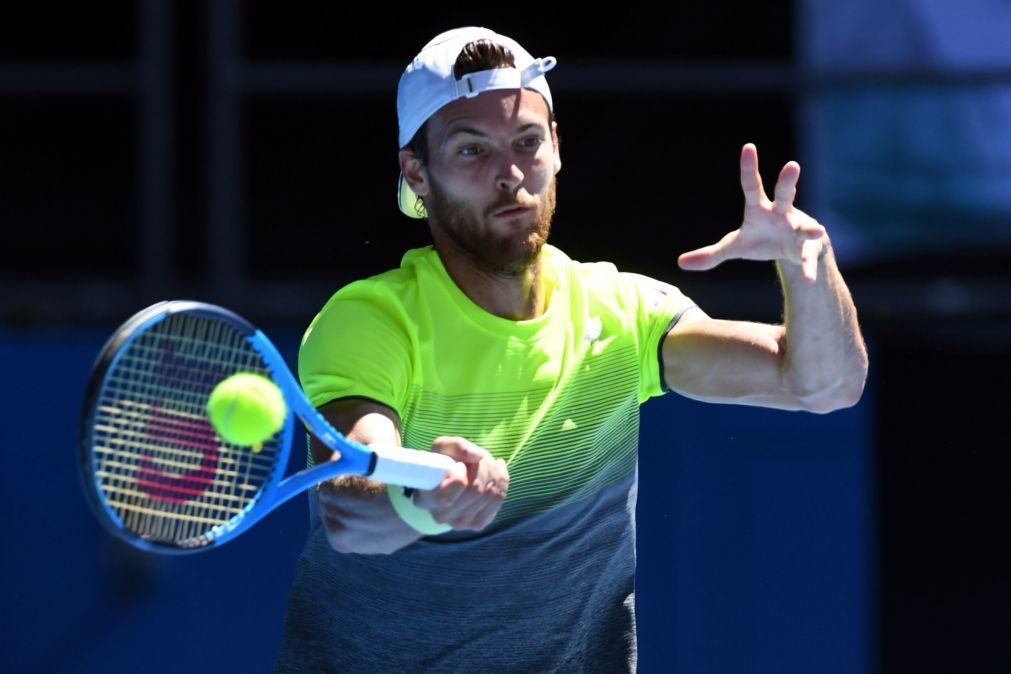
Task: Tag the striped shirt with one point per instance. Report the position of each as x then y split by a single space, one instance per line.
549 585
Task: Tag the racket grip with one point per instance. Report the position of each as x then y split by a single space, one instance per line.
409 467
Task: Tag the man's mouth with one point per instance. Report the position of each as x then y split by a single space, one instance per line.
511 211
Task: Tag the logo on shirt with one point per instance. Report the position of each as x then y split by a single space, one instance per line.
660 293
592 329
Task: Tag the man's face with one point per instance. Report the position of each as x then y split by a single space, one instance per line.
491 178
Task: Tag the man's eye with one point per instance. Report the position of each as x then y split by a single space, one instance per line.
470 150
531 142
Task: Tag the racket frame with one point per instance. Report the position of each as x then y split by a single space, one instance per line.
389 464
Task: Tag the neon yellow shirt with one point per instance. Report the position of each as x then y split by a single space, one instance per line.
557 397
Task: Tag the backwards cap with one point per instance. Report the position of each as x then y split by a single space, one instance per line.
428 84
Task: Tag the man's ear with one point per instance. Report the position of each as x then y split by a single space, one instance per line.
558 148
414 172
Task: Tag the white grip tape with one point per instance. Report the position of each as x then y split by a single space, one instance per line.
409 467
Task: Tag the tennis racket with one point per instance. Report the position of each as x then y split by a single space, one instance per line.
156 472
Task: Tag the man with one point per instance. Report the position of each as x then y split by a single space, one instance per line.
527 368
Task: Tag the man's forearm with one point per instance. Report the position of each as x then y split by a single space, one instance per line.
825 359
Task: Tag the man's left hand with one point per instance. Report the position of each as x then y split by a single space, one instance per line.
771 230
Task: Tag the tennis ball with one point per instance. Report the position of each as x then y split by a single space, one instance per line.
246 409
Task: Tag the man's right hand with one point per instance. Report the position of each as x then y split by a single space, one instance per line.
356 511
471 495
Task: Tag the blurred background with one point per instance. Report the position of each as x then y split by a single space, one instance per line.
244 153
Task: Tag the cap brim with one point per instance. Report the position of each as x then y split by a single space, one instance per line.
410 204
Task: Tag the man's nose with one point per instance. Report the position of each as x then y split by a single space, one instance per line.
509 177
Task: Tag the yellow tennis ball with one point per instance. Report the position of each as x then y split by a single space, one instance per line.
246 409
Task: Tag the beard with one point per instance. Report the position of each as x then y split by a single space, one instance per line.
500 252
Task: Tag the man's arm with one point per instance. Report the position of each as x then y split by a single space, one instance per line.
357 512
816 360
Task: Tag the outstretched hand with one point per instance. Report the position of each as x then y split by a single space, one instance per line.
771 230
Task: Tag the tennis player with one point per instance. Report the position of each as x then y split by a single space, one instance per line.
528 368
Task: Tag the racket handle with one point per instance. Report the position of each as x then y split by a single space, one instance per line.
409 467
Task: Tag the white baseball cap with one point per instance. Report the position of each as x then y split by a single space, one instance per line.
428 84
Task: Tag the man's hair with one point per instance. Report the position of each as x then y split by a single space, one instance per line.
482 55
475 57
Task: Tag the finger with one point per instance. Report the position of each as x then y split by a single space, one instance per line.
751 180
502 471
810 251
474 509
479 512
707 257
487 480
485 516
460 449
447 493
786 186
810 228
498 480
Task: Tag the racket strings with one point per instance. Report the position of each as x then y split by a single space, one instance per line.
161 466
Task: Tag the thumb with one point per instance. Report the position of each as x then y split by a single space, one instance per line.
708 257
459 449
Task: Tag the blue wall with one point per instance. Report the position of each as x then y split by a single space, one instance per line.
755 543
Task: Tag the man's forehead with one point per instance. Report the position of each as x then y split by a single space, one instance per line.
517 108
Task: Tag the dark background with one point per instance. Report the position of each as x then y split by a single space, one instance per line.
245 154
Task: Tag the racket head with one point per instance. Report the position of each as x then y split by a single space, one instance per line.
155 471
